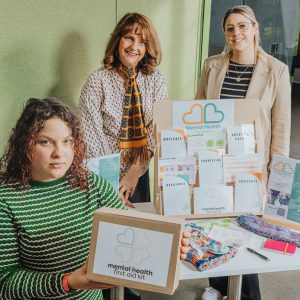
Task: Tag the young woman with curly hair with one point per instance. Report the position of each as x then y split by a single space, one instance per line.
116 103
47 201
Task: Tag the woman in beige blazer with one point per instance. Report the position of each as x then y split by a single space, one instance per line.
244 70
270 83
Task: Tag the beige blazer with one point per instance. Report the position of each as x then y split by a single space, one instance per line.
271 84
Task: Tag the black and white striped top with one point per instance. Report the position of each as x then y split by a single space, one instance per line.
236 81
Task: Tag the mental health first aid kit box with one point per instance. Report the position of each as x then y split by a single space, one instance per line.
135 250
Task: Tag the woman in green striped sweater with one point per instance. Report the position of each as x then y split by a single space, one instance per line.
47 200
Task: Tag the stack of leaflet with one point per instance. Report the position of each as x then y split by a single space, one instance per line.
212 169
283 199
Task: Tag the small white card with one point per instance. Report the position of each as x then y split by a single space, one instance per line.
173 143
210 168
213 199
241 139
177 166
176 195
248 193
206 140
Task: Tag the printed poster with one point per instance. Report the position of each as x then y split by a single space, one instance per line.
294 204
282 172
203 114
133 253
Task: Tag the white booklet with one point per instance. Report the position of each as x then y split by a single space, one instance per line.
248 192
240 139
172 143
176 195
177 166
210 168
213 199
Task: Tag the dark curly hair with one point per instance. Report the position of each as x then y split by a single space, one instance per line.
152 56
15 164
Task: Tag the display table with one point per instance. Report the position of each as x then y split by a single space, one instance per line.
243 263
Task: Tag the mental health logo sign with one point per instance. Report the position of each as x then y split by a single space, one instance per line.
203 114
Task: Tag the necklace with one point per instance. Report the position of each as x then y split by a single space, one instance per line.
238 78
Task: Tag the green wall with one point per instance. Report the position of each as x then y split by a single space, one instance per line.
48 47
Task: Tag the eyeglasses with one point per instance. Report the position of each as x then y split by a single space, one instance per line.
243 27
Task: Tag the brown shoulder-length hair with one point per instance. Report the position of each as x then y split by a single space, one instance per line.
15 164
152 57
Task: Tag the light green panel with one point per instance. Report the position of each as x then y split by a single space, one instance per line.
48 48
177 23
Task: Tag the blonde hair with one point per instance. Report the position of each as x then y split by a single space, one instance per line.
247 12
152 57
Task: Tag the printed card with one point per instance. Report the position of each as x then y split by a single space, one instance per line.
206 140
177 166
108 167
203 114
176 195
213 199
173 143
210 168
241 139
248 192
241 163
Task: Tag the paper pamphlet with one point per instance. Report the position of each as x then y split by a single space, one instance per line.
172 143
210 168
282 173
206 140
240 139
177 166
213 199
248 192
241 163
235 237
176 194
205 114
132 254
108 167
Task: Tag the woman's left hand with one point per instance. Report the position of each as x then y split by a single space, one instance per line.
128 185
184 244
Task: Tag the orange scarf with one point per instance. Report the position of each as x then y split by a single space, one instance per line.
133 134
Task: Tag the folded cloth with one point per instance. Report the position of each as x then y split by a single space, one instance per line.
261 227
200 248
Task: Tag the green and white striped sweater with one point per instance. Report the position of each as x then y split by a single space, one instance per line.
44 233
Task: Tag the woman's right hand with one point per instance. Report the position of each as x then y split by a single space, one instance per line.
78 281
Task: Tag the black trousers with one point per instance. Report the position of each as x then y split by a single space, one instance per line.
142 191
250 286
